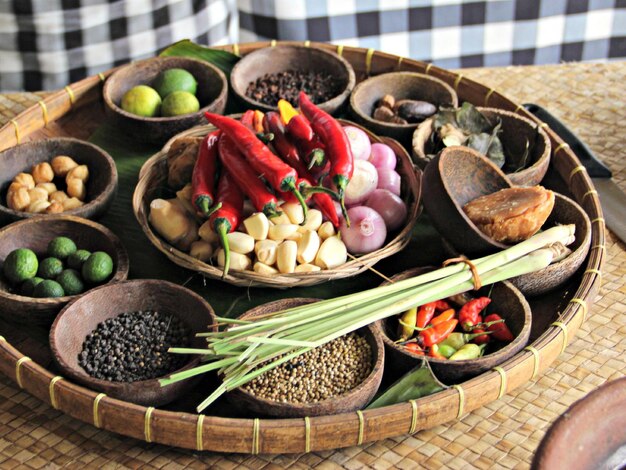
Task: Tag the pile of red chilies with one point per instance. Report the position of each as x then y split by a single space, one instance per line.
306 148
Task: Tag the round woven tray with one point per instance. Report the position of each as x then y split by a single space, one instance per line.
300 435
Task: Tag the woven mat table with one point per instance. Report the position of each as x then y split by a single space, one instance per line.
504 434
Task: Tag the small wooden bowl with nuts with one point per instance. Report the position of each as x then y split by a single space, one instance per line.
54 176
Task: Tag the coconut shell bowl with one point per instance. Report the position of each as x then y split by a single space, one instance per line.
272 60
402 86
351 400
35 233
506 300
516 133
79 318
212 93
459 175
101 184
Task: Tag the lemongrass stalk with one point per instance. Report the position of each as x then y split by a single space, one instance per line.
189 351
186 374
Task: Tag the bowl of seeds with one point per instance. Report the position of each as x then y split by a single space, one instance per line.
115 339
338 377
266 75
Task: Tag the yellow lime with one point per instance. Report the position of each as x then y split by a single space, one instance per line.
172 80
179 102
142 101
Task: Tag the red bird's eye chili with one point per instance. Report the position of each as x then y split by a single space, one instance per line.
425 314
203 176
437 333
414 348
227 218
501 332
285 149
480 332
280 176
337 147
443 316
441 305
246 178
296 124
470 312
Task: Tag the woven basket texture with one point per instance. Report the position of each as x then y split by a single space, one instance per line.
503 434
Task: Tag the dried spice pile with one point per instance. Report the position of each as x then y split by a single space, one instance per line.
133 346
321 373
270 88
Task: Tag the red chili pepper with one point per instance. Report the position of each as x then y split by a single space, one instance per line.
481 338
415 348
295 123
246 178
280 176
285 149
501 332
437 333
441 305
227 218
443 316
203 176
425 314
337 146
469 313
247 119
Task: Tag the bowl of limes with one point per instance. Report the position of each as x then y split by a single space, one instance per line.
47 262
157 98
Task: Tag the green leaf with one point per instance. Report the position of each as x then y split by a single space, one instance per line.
471 120
445 116
186 48
417 383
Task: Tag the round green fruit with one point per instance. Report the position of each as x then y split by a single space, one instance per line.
48 288
61 247
178 103
142 101
97 268
20 265
172 80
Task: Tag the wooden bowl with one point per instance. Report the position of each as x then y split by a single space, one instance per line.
212 93
516 132
270 60
505 300
401 85
80 317
101 187
352 400
36 233
154 178
591 434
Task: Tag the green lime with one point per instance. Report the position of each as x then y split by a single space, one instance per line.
172 80
20 264
76 259
179 102
29 286
50 268
142 101
61 247
71 282
98 267
48 288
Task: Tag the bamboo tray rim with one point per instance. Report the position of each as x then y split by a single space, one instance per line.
254 436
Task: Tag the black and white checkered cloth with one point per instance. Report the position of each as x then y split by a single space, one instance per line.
449 33
46 44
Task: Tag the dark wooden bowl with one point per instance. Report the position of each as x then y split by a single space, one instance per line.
36 233
590 435
453 178
281 58
80 317
401 85
516 132
101 187
353 400
506 300
212 94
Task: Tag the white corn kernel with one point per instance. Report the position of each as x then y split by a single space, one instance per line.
294 212
307 268
265 251
281 219
313 221
286 256
332 253
237 260
308 246
326 230
240 242
201 250
281 231
263 268
207 234
257 226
